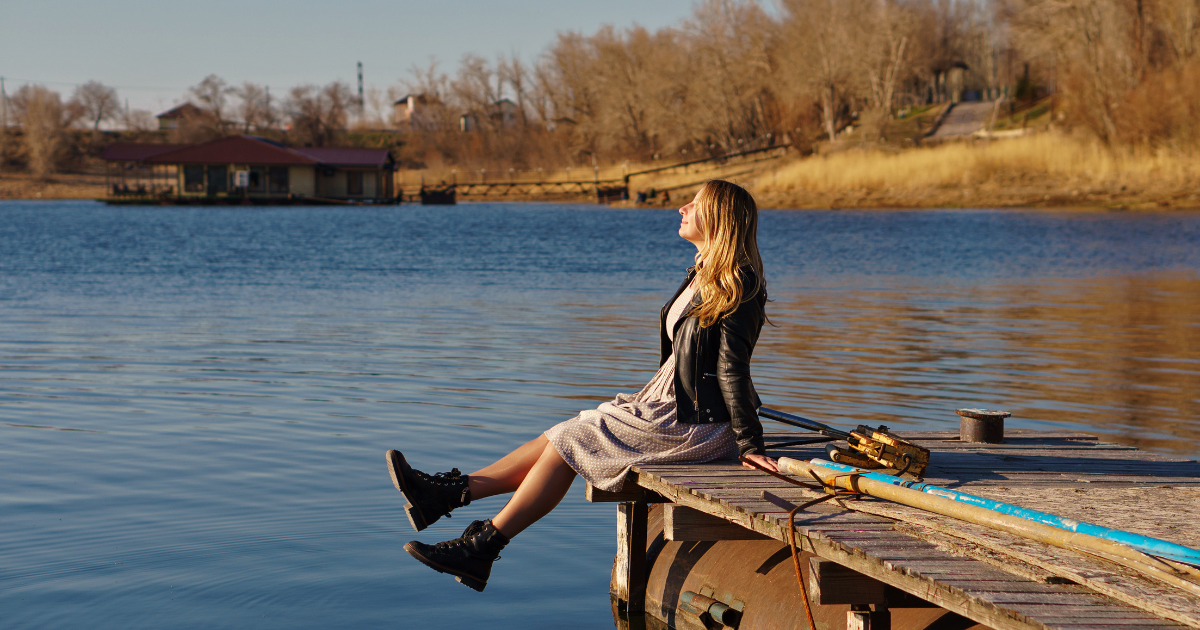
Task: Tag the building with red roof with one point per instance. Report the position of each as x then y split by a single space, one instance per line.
240 169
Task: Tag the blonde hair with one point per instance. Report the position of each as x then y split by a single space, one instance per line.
729 224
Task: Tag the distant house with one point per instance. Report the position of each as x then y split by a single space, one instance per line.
415 112
501 115
177 117
247 169
948 83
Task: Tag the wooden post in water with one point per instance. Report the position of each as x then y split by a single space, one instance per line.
629 569
981 425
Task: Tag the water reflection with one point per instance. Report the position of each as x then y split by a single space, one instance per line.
1117 356
224 381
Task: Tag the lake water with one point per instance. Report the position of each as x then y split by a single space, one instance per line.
195 402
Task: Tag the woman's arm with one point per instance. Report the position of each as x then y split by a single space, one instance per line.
739 333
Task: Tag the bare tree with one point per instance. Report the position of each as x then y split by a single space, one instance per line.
98 101
428 80
43 118
1181 24
254 106
729 42
512 71
566 84
138 120
476 89
822 53
318 114
378 109
884 30
211 94
438 111
1098 42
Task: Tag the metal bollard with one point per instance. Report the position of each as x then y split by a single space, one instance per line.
981 425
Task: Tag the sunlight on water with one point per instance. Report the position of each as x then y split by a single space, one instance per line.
195 401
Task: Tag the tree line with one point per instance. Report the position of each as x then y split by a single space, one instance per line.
732 76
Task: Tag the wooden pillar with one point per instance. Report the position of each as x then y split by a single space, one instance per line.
629 567
861 617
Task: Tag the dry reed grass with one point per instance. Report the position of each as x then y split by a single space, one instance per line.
1043 156
61 186
1050 168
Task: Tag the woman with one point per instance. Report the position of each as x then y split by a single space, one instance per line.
700 406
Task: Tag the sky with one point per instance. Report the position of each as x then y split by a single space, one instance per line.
151 52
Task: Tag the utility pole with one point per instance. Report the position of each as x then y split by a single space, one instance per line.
360 90
3 122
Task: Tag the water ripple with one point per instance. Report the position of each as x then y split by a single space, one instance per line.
196 402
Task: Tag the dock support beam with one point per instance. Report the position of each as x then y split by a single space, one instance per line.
629 569
687 524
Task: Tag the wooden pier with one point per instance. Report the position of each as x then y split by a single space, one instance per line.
477 186
866 559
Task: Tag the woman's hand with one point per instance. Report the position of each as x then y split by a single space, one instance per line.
761 460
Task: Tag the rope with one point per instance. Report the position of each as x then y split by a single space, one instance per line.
796 560
832 492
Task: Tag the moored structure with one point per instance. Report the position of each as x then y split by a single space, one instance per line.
247 169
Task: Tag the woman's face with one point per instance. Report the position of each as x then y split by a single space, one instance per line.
690 227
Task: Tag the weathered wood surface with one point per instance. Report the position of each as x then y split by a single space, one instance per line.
991 577
685 524
629 567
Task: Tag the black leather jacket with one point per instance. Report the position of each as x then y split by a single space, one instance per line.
712 365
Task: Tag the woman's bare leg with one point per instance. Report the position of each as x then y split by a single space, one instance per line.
544 487
507 474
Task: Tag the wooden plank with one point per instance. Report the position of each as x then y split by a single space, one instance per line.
1041 453
1012 584
629 492
1082 612
686 524
625 495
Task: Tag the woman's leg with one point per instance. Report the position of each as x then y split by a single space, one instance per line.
543 487
507 474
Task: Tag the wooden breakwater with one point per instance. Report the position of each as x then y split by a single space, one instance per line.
717 530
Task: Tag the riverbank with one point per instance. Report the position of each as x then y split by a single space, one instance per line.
1045 170
60 186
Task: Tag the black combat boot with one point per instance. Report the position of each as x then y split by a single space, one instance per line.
468 558
430 497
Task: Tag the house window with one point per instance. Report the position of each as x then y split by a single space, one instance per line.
279 179
218 179
258 180
353 182
193 179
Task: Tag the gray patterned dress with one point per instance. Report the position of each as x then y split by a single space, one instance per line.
602 443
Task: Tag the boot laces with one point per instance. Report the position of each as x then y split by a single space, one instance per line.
449 544
472 531
441 478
